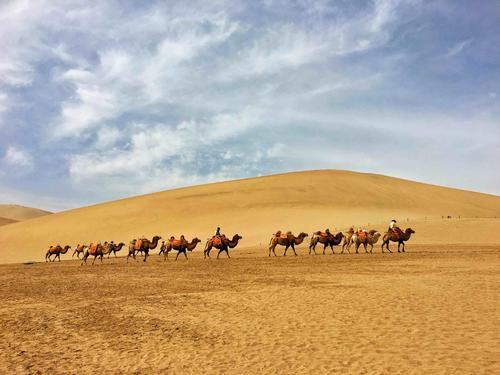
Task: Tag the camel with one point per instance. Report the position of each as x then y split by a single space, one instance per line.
56 250
398 236
370 239
79 249
181 246
326 239
143 246
222 244
287 240
97 250
115 248
347 240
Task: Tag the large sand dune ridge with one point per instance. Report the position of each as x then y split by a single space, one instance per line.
255 208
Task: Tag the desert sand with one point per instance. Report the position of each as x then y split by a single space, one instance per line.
433 309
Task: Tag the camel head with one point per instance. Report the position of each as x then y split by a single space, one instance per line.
409 231
237 237
195 240
302 235
339 235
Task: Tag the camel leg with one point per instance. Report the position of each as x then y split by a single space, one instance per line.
357 247
274 250
371 249
145 256
102 255
286 248
293 248
364 245
399 245
403 243
220 251
331 247
185 254
227 253
95 257
324 248
314 249
59 255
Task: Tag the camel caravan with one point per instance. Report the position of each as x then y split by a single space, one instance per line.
143 245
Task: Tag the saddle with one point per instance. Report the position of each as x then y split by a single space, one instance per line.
92 248
323 234
280 234
138 244
361 235
217 240
175 242
397 231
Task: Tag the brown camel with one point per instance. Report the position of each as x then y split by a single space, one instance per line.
56 250
115 248
97 250
397 235
371 238
327 239
181 246
287 240
222 244
142 245
347 240
79 249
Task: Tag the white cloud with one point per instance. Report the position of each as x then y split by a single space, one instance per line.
17 161
458 48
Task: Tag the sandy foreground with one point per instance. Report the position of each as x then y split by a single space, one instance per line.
434 309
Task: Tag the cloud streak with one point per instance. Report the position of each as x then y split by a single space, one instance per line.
109 95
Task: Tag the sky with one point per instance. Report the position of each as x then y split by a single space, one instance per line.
109 99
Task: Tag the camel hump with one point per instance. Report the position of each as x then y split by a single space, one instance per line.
138 244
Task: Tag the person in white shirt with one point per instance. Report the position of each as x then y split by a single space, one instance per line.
392 225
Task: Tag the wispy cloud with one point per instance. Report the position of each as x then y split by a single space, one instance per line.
109 94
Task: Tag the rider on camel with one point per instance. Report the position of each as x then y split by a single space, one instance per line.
392 226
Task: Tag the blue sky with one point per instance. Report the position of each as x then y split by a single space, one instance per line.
104 100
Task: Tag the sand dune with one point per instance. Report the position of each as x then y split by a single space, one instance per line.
255 208
5 221
18 213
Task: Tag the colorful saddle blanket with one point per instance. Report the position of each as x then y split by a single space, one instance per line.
361 235
138 244
323 234
92 248
217 240
280 234
175 242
